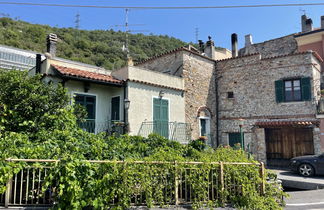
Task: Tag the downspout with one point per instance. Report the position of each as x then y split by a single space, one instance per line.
125 110
217 105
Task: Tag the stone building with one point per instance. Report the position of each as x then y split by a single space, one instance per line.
198 73
274 100
270 90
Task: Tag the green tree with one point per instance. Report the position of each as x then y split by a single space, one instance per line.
28 105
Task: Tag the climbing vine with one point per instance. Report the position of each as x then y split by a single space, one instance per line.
49 131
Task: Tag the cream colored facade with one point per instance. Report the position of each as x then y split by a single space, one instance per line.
142 87
103 94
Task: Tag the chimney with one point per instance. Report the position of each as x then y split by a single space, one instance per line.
306 23
234 45
201 45
309 25
248 40
130 61
38 63
51 44
322 22
303 22
210 48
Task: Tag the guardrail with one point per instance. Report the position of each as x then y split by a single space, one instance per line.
26 188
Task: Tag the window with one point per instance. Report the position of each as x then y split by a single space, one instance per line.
115 108
230 94
293 90
234 139
161 117
89 102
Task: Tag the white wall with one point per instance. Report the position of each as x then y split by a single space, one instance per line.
141 104
103 98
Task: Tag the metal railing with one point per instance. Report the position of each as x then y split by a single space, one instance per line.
177 185
172 130
109 127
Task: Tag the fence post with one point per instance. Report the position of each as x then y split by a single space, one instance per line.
222 183
176 184
8 193
262 176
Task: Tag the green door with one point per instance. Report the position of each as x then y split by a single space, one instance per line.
234 138
161 117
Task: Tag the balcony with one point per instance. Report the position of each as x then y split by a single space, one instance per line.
109 127
176 131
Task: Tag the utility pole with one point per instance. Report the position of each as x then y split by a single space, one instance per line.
196 34
77 21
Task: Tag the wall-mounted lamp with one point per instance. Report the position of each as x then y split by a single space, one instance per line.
126 103
161 94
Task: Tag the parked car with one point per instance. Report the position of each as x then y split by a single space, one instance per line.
308 165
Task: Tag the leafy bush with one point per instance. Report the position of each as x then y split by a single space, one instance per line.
36 122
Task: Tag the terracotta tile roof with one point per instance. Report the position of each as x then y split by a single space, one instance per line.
81 74
315 54
173 51
287 123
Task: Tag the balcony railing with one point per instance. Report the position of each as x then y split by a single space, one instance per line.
109 127
176 131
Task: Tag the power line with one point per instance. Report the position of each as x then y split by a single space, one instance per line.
162 8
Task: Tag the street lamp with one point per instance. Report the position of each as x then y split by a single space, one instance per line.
241 123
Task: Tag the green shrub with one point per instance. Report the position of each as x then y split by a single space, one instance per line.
49 131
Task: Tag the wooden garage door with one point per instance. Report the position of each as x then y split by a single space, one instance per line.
285 143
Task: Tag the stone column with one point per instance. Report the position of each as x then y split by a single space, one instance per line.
259 146
322 134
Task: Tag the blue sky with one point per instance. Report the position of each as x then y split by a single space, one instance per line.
262 23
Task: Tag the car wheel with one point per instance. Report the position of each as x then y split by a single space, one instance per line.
306 169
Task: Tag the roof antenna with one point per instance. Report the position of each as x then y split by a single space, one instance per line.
125 47
303 11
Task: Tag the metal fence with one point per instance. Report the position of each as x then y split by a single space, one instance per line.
177 185
110 127
172 130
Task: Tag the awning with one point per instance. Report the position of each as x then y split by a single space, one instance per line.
287 123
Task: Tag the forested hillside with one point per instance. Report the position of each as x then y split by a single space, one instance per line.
98 47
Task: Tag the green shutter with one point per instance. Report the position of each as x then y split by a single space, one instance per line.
279 86
161 117
306 89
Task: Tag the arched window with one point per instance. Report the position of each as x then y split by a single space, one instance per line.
204 116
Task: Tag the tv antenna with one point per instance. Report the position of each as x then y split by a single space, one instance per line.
303 11
125 47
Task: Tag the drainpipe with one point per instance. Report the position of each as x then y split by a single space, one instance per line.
126 126
217 105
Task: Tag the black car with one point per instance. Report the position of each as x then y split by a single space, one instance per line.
308 165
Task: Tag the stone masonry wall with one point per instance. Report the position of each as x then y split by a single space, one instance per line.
199 76
252 79
281 46
170 63
199 81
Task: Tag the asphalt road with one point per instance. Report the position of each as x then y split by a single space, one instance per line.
305 200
